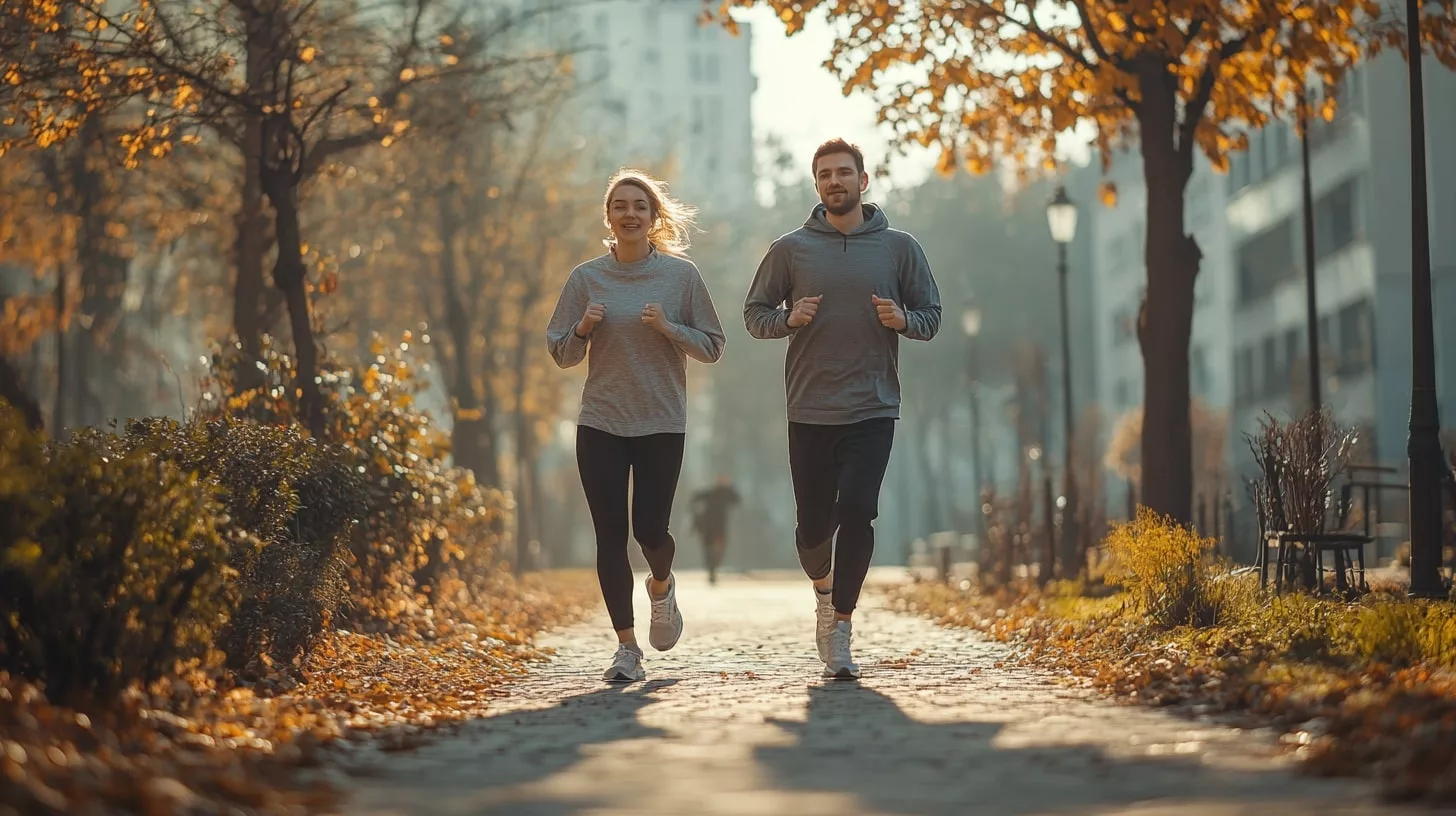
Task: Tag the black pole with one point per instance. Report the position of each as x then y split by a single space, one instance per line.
977 483
1424 443
1069 513
1312 312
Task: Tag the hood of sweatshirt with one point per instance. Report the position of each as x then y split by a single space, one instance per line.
875 220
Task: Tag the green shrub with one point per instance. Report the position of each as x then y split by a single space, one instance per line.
300 499
114 564
421 518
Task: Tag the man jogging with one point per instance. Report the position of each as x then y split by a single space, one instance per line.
844 288
710 519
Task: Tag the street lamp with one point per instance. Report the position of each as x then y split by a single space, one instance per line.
971 324
1062 219
1423 446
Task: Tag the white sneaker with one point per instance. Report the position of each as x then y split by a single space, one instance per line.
823 622
840 665
626 666
667 620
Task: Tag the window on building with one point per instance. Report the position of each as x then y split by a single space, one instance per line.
603 28
1357 339
1273 376
1244 375
651 57
1277 135
695 67
650 16
1238 172
696 125
1265 261
1335 220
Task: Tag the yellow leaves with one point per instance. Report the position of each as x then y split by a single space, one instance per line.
407 75
307 53
945 164
1107 193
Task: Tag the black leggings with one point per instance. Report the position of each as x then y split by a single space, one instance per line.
837 471
654 463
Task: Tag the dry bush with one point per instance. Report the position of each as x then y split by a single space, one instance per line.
1172 574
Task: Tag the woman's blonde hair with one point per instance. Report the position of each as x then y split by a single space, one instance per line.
672 220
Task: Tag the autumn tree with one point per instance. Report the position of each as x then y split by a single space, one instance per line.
305 83
985 81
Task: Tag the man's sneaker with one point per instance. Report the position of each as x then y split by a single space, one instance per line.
626 666
823 622
840 665
667 621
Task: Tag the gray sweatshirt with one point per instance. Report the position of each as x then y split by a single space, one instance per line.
843 367
636 382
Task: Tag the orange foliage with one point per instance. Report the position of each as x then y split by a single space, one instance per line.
1001 79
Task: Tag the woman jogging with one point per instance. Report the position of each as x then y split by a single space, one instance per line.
635 314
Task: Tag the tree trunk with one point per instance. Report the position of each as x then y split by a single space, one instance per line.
103 268
290 276
60 414
1166 320
931 489
524 511
472 442
250 242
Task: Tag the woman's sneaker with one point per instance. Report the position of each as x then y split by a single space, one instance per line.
841 665
626 665
667 620
823 622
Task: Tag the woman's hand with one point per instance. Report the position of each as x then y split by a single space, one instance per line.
653 316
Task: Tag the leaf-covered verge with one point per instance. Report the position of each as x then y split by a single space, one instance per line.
189 610
1365 688
192 743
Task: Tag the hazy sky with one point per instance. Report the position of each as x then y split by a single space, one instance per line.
802 102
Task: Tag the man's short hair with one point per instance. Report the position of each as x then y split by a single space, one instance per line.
837 145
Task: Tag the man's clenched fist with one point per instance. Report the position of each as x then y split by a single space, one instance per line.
804 310
891 316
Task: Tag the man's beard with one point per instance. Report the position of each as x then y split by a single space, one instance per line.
851 201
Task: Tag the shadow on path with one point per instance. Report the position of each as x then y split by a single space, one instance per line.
858 742
483 768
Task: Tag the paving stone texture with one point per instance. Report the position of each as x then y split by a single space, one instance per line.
736 720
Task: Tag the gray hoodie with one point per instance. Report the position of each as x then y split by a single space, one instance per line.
843 367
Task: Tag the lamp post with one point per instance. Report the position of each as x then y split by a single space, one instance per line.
1310 301
1062 219
971 325
1423 446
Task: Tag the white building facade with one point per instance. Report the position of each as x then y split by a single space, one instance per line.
1119 275
664 91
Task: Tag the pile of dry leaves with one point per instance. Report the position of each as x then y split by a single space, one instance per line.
1342 712
193 746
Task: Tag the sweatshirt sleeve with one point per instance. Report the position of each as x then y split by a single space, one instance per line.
764 313
566 348
700 335
920 295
